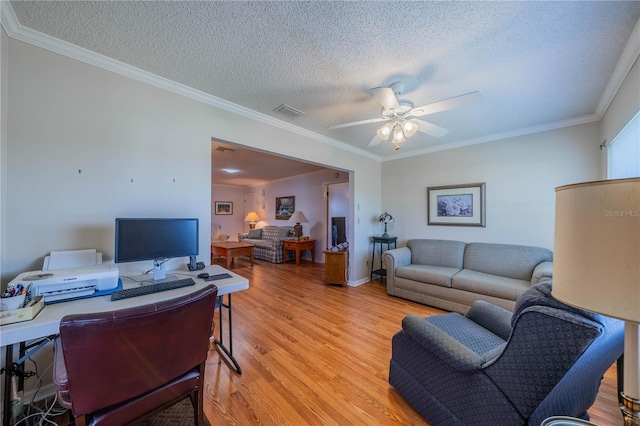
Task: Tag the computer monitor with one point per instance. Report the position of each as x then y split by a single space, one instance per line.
139 239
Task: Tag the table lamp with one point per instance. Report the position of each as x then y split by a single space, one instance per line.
252 218
597 264
385 218
299 218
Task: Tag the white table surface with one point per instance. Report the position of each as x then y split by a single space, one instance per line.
47 322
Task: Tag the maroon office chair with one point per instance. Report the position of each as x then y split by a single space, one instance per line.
122 367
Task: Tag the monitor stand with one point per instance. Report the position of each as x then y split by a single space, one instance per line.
159 273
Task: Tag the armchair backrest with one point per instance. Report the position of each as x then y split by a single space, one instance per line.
112 357
545 350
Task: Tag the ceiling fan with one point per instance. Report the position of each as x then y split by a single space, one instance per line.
400 115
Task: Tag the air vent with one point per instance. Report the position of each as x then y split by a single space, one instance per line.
289 111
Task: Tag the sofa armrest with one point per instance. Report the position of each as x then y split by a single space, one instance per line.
393 259
542 272
494 318
440 344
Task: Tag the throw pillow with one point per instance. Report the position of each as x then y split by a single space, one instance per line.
283 233
255 234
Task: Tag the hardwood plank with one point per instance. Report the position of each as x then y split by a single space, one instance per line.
316 354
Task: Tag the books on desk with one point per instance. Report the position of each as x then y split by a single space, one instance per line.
23 314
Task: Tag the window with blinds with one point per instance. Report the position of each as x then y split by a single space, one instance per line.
624 152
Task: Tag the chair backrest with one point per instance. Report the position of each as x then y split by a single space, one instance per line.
115 356
548 341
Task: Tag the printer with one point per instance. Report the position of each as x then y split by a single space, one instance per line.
68 275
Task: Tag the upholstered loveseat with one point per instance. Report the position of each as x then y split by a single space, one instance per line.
451 275
268 242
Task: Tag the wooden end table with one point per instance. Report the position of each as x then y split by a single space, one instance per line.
231 249
298 246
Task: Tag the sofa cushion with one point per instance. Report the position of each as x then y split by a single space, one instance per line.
267 244
491 285
505 260
255 234
438 275
284 233
271 232
445 253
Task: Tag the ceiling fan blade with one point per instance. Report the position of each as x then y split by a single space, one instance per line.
375 141
386 97
431 129
357 123
446 104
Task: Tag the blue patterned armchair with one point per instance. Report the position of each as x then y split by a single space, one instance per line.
492 367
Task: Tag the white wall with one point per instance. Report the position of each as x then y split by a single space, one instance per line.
520 174
310 199
624 106
231 224
4 82
78 135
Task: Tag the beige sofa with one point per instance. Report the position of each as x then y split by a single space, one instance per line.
451 275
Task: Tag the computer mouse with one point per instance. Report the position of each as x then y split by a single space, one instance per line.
203 275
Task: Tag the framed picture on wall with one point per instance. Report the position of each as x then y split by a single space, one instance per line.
285 206
224 207
456 205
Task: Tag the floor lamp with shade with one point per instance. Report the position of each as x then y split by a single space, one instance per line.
597 264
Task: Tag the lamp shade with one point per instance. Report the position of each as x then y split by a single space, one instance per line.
298 217
251 217
410 127
385 131
597 247
385 218
398 135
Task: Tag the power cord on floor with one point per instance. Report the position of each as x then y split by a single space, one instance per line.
33 415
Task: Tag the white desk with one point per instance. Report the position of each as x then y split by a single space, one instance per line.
47 322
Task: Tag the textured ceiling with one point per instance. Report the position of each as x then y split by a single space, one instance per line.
237 166
537 63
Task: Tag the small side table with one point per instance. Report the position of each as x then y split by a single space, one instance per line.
336 266
298 246
380 240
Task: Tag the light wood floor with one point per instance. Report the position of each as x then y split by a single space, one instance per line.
313 354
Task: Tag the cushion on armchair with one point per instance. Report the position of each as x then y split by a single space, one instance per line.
255 234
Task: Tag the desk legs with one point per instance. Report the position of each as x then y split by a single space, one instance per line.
226 354
6 400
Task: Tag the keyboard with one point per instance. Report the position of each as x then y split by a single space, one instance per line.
150 289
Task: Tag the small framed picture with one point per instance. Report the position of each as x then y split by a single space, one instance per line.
224 207
456 205
285 206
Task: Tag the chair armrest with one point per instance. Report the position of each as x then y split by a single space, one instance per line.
542 272
393 259
494 318
440 344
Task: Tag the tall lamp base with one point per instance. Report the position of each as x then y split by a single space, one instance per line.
630 408
630 394
297 231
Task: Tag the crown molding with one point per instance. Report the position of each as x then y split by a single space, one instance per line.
500 136
19 32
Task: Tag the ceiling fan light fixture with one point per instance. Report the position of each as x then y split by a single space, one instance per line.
398 135
409 127
384 132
